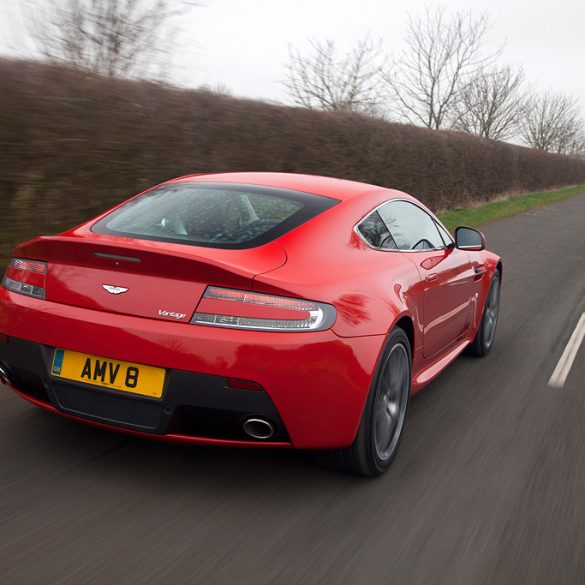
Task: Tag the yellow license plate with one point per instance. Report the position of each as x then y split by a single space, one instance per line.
114 374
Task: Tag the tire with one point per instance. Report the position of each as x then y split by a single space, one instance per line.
382 424
484 338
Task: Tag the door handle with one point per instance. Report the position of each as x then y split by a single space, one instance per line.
479 271
432 277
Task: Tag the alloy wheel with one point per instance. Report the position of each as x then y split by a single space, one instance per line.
391 400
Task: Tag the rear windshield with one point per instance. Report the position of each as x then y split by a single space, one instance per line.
213 215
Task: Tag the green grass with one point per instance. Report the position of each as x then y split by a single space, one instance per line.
474 216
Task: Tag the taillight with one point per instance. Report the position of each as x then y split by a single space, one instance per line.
224 307
26 277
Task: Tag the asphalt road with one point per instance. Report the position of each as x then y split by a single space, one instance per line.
489 486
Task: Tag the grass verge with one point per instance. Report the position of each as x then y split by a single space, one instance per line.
474 216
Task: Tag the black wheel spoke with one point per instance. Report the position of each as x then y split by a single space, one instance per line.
383 427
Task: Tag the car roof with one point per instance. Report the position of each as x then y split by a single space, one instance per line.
340 189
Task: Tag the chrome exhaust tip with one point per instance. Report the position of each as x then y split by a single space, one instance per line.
5 375
259 428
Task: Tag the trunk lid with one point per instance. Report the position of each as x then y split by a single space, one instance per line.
143 278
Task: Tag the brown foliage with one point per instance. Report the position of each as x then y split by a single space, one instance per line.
74 144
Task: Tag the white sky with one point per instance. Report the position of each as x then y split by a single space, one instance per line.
244 43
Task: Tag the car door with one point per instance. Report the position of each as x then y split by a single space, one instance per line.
446 273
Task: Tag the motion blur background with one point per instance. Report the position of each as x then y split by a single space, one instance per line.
457 103
102 98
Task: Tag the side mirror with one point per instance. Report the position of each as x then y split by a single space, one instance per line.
467 238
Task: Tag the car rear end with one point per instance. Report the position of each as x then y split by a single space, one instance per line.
147 320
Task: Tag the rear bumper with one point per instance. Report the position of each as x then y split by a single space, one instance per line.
315 383
167 438
193 405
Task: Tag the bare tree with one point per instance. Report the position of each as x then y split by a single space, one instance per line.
441 54
492 103
577 145
122 38
325 80
552 122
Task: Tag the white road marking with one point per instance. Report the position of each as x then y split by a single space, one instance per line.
557 380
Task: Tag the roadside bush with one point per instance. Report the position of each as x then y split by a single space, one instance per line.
74 144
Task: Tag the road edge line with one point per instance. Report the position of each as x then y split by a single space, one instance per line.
565 363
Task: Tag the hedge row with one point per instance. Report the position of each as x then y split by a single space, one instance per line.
73 144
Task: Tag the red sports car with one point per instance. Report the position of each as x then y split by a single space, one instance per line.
251 310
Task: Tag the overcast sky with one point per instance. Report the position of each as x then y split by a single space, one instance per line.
244 43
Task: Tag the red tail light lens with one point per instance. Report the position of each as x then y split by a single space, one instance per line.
26 277
237 384
223 307
28 265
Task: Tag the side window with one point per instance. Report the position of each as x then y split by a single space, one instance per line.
447 238
375 232
410 226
